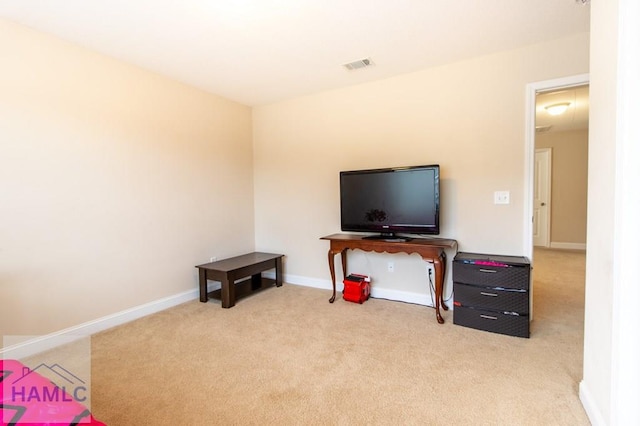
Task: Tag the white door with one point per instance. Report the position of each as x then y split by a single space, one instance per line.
542 198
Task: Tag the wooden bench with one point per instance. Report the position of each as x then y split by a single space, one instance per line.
228 271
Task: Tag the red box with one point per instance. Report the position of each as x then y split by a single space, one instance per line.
356 288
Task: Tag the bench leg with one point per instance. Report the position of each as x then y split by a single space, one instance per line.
203 286
228 292
256 281
279 272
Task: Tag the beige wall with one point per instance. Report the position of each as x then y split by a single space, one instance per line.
114 184
469 117
568 184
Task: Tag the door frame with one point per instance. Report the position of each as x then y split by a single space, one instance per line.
530 147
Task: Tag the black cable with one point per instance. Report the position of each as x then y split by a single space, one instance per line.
402 301
432 290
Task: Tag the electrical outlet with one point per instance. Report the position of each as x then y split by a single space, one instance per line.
390 266
213 259
501 197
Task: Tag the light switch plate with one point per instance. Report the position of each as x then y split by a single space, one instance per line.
501 197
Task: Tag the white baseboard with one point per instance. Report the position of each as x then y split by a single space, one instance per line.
402 296
376 293
568 246
593 413
52 340
43 343
304 281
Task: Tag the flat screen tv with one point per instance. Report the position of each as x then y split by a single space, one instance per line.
391 201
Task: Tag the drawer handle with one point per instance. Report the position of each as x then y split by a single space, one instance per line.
488 317
490 271
488 294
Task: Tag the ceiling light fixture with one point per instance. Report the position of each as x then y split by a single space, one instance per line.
557 109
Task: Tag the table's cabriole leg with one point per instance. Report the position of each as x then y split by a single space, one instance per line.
332 271
437 266
443 259
343 257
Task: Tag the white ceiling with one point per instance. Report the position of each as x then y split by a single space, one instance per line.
262 51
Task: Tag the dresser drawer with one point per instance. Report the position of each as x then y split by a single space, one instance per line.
491 298
507 276
495 322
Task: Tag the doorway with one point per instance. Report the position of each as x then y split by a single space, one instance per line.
533 91
533 128
560 186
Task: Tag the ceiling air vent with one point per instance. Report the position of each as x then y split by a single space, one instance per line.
541 129
361 63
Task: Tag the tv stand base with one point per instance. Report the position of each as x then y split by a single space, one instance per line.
391 238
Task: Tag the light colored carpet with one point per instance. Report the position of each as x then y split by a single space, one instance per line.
286 356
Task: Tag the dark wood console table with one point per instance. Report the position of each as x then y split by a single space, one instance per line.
430 249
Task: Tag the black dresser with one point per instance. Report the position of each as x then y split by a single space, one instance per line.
491 293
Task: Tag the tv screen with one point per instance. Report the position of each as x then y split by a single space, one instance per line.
390 201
